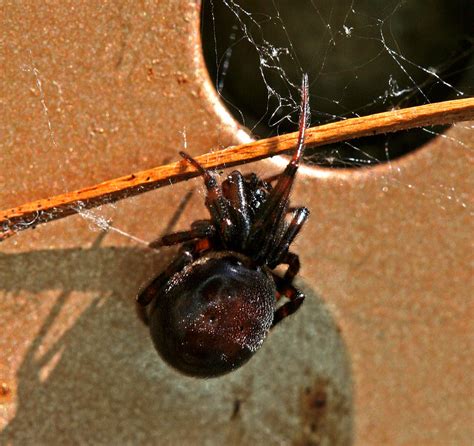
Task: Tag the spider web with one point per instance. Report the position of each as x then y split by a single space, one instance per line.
360 58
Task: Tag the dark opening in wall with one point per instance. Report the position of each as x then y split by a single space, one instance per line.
362 57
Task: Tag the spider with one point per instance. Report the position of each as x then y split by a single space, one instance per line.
212 307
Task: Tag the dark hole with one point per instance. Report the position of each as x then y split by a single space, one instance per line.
362 57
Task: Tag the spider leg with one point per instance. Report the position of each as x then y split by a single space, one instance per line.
285 288
300 215
216 203
152 289
187 254
293 261
271 214
234 190
199 229
287 309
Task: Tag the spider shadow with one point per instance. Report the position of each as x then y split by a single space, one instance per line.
95 366
104 373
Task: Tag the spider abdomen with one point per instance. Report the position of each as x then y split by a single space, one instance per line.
213 315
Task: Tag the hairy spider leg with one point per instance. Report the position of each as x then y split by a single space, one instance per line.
270 217
300 215
199 229
215 201
234 190
287 309
293 261
186 255
286 288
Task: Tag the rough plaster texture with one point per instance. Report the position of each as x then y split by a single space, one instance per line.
380 352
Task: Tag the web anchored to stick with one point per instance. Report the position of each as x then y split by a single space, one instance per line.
48 209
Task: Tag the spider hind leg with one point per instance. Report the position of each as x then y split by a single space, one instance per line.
187 254
285 288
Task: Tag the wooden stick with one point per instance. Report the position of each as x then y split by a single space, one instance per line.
41 211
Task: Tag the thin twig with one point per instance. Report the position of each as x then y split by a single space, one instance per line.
41 211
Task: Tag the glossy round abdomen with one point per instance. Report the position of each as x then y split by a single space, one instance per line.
213 315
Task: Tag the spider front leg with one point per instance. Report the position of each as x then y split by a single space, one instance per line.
271 215
286 288
300 215
216 203
234 190
199 229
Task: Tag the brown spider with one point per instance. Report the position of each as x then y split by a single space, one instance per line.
212 307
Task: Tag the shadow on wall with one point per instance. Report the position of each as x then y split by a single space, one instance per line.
110 386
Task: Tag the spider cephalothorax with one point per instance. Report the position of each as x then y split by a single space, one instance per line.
212 307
